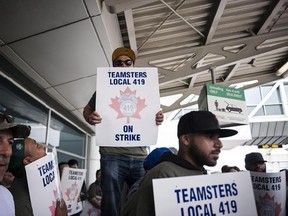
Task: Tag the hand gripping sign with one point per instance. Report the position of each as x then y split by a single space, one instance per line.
43 180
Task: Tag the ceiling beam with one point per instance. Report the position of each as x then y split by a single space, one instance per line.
212 26
271 14
116 6
249 52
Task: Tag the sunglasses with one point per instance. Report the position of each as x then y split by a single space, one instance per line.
119 63
8 118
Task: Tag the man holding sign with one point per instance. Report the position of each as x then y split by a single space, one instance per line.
119 165
8 131
199 145
26 151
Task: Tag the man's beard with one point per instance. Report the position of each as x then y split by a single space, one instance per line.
199 156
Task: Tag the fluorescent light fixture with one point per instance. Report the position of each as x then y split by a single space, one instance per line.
242 84
282 70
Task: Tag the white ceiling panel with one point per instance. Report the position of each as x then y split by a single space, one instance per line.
108 30
15 59
78 93
94 7
53 93
26 18
64 54
104 38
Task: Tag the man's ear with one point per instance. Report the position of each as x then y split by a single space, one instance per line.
27 160
185 139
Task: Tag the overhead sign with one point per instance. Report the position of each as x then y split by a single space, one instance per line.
228 104
127 99
213 195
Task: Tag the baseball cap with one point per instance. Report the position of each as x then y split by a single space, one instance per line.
253 158
201 122
18 130
152 158
123 51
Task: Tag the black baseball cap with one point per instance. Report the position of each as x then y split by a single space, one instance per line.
202 122
254 157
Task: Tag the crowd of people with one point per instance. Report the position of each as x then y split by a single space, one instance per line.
123 184
15 200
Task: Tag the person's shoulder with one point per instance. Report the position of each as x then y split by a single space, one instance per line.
4 191
161 170
168 169
6 202
92 185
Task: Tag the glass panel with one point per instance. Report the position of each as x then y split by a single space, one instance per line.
274 110
252 96
275 97
24 108
286 90
250 108
265 90
62 157
66 136
260 112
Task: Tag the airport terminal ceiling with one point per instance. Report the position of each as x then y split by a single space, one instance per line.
58 45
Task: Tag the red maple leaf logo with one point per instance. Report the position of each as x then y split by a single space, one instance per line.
267 206
52 208
71 192
128 105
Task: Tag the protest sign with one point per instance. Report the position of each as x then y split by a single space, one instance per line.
71 183
43 180
270 193
213 195
127 99
90 210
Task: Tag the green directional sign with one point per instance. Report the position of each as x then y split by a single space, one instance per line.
228 104
225 92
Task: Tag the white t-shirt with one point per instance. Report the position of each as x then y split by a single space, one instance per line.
6 202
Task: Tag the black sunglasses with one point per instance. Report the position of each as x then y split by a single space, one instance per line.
8 118
119 63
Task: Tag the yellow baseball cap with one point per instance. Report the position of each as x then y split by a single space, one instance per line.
123 51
